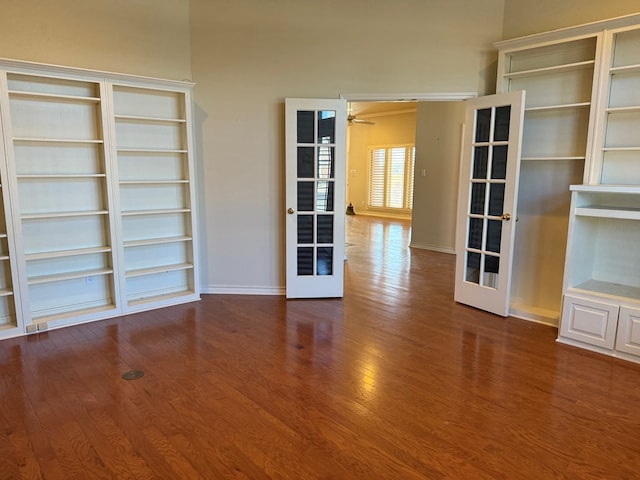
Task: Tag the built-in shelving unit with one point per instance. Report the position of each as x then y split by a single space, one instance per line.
152 146
602 273
601 309
97 214
617 146
59 161
558 77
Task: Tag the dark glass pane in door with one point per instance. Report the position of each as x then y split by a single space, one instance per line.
305 228
477 198
494 235
327 126
501 126
305 127
483 124
325 261
325 229
499 162
496 199
491 264
305 162
475 233
305 196
480 162
305 260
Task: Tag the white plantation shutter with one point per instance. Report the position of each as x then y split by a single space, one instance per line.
391 173
376 177
395 185
411 172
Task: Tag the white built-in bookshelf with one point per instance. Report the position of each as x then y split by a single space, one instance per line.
576 256
97 213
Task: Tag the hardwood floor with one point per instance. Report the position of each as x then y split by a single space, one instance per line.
395 381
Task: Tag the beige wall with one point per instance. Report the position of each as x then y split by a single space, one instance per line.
438 137
248 55
141 37
391 129
525 17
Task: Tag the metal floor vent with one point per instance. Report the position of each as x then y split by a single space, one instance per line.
133 375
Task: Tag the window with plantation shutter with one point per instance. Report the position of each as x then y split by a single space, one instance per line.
391 173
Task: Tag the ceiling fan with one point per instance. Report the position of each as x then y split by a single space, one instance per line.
351 119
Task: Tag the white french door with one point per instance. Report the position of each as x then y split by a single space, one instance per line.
487 201
315 197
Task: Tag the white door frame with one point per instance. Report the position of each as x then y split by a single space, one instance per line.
405 97
408 97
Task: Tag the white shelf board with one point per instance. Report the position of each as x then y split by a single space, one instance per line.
160 269
68 276
625 69
85 213
65 253
628 109
54 97
159 298
150 150
545 159
37 176
607 289
601 211
566 106
623 189
621 149
156 241
57 140
130 213
143 119
152 182
87 311
552 69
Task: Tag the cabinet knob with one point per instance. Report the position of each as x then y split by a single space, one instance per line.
291 211
506 217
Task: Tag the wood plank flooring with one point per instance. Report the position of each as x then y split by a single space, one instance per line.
395 381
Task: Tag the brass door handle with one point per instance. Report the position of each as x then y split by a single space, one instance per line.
506 217
291 211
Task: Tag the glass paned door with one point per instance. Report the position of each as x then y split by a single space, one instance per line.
487 201
315 184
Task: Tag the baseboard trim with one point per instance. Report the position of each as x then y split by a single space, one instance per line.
242 290
433 248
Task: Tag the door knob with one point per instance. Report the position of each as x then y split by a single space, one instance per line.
506 217
291 211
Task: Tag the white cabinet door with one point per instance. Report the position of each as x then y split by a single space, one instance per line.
628 339
588 321
487 199
315 197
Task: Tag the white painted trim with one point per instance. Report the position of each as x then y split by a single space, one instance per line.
387 113
242 290
585 29
408 97
432 248
383 214
49 70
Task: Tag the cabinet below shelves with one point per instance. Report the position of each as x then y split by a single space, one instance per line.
601 325
602 271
